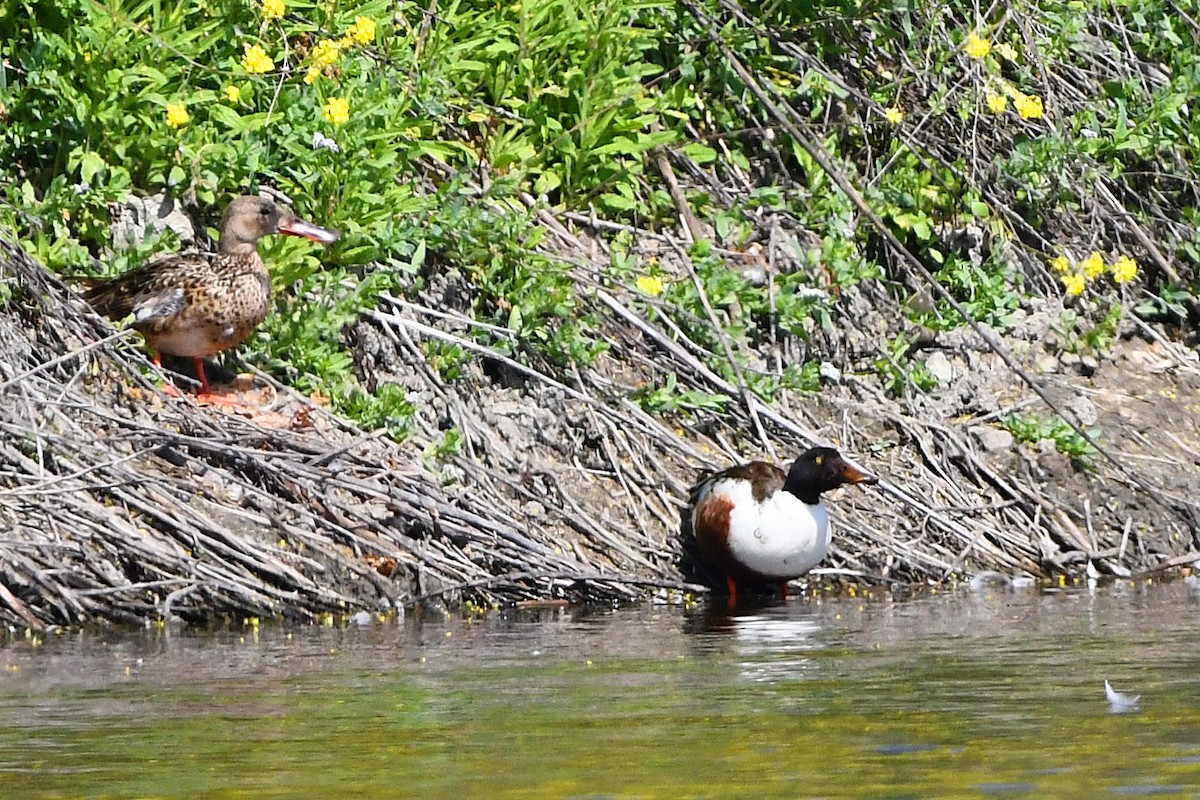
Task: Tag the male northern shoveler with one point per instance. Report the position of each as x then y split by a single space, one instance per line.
198 305
756 524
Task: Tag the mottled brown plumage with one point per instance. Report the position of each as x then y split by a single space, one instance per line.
198 305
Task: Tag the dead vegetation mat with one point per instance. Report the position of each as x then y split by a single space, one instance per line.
119 503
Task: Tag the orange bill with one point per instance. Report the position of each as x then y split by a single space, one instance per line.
852 473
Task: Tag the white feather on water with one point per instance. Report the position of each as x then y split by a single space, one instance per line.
1119 702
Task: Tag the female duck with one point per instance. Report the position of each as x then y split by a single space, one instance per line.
198 305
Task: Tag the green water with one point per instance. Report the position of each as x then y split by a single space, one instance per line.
962 695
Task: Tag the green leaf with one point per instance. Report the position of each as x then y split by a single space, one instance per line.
467 66
225 115
617 202
500 47
700 153
90 166
418 257
548 181
251 122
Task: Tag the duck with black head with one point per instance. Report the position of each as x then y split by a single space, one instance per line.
197 305
756 524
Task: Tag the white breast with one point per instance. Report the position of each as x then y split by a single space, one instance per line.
782 537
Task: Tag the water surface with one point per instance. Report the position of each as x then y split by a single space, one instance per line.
949 695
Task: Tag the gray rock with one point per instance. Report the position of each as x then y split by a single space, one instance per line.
1047 365
1083 410
993 440
1035 327
829 372
755 274
940 367
1085 365
137 216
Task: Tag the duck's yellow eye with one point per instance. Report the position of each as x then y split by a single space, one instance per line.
818 460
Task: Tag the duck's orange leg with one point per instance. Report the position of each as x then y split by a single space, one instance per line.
206 395
732 585
783 588
205 389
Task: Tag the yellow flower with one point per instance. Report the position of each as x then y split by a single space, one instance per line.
1093 266
893 115
1124 270
1029 106
996 103
232 93
651 285
362 31
326 52
1006 51
313 73
1060 264
177 115
273 9
977 47
337 110
1074 283
256 61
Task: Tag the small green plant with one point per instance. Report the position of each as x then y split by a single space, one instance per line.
446 359
1080 335
447 446
900 371
1170 303
387 408
1032 429
803 378
989 291
670 399
512 285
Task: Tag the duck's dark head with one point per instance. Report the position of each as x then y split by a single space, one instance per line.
821 469
249 218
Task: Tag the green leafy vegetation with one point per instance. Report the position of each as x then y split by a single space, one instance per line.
1081 335
1018 152
669 398
1032 428
901 372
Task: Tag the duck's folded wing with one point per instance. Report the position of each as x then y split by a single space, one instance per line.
765 478
153 291
152 306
